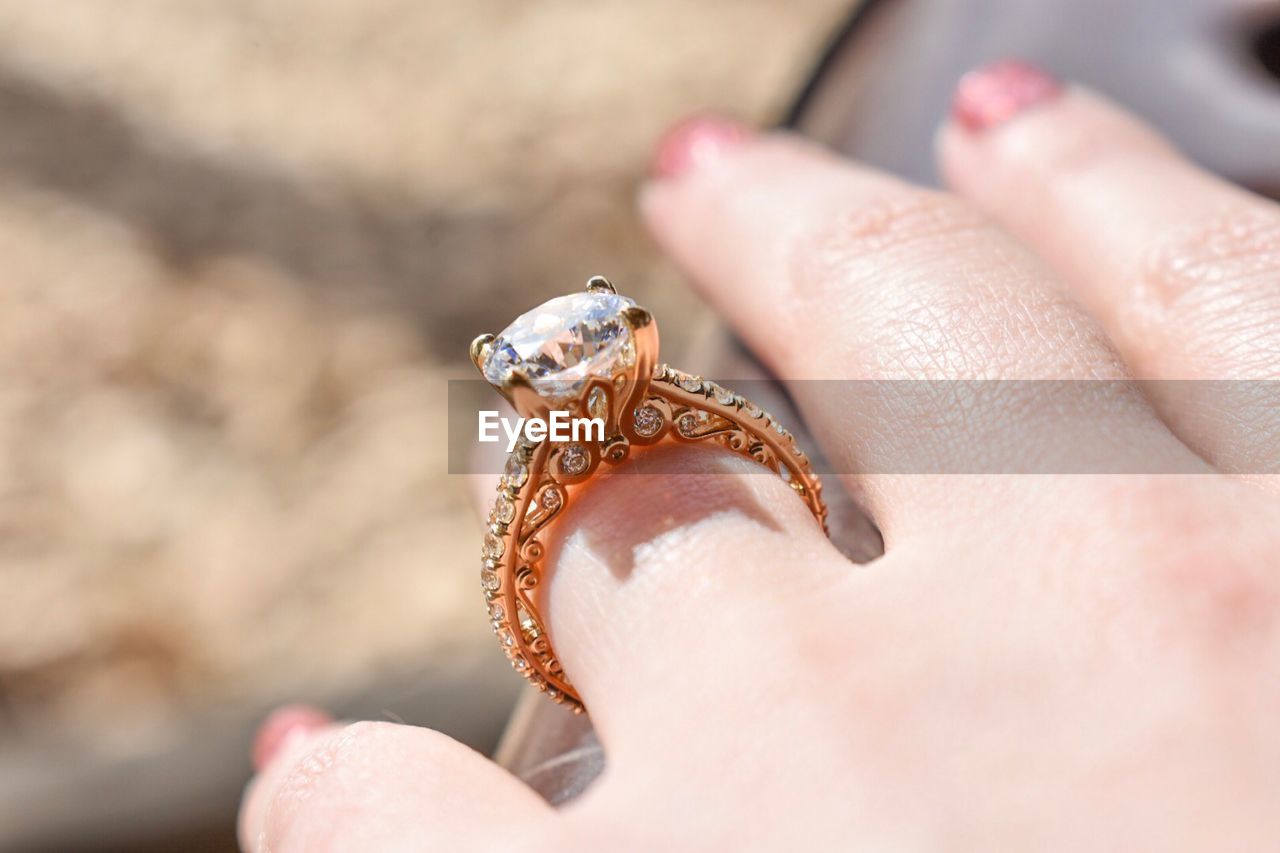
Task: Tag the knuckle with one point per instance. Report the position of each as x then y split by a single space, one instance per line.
1218 260
1201 585
937 290
850 239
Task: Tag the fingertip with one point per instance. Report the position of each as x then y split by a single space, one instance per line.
284 727
1006 158
984 101
696 143
996 93
286 735
688 151
726 202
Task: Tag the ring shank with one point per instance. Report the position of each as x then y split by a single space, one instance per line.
541 477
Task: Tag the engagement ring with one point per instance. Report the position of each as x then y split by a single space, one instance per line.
593 355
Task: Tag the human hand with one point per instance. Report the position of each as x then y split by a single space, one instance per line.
1040 661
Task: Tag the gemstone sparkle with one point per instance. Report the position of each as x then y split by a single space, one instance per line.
563 342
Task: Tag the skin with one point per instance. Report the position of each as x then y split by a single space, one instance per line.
1038 662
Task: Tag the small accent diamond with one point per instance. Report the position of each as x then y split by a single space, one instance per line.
503 510
489 580
493 545
723 396
574 460
597 403
688 424
550 500
648 421
515 473
692 384
497 612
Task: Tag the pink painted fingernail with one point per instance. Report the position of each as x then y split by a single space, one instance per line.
284 726
695 143
989 96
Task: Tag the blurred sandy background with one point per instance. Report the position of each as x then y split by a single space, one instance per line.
242 245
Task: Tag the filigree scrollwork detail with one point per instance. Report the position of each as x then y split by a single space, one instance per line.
526 578
531 550
543 478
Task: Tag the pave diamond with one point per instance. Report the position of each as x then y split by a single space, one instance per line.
562 343
515 472
692 384
504 510
493 546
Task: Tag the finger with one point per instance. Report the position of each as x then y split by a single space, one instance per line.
661 567
1179 266
382 786
832 271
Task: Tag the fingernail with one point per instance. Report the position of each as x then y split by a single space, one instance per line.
283 727
696 143
989 96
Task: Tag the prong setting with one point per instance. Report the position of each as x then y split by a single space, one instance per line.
480 349
637 317
527 402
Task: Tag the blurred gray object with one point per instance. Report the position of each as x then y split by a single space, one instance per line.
1206 72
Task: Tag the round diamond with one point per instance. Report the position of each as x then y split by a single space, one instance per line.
561 343
688 424
493 545
503 510
551 500
648 421
489 579
497 612
515 473
724 396
574 460
692 384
